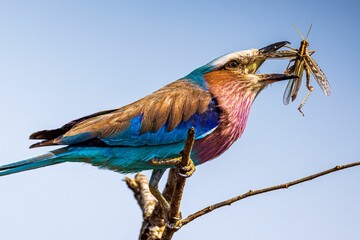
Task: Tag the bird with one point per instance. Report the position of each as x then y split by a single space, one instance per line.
214 100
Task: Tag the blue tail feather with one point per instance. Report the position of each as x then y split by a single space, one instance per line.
119 159
44 160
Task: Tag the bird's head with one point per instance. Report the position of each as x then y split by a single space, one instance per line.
233 84
238 69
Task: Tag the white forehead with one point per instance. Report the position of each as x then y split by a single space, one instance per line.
240 54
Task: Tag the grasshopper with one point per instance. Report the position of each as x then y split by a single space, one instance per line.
303 62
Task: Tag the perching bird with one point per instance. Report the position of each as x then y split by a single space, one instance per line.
214 99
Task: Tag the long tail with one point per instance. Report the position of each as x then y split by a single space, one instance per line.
47 159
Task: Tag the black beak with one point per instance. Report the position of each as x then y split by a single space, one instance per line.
275 77
273 47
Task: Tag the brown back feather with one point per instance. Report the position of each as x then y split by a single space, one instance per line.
173 103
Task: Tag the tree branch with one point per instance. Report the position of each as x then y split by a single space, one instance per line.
140 187
153 227
251 193
175 215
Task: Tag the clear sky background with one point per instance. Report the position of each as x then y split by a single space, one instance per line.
60 60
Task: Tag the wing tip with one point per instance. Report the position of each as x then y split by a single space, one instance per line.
37 135
44 143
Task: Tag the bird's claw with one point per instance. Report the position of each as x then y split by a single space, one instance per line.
188 170
184 171
175 224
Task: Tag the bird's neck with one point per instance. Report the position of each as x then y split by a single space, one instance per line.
235 103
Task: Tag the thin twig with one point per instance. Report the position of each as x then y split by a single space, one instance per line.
175 215
264 190
180 184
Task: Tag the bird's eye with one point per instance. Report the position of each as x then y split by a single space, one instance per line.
232 64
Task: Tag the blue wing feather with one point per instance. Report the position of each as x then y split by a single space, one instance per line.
203 124
163 117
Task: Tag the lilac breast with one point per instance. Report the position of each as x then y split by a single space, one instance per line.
235 110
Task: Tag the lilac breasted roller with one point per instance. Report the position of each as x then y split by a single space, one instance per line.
214 99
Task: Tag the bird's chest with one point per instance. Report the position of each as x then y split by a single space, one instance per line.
232 122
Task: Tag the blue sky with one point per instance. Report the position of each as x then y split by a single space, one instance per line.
60 60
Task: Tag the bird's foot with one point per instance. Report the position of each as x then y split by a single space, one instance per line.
184 171
188 170
154 189
176 223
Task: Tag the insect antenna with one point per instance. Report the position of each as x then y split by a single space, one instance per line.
307 35
298 31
